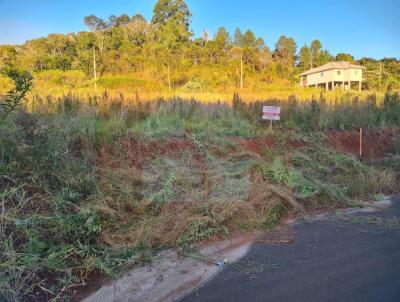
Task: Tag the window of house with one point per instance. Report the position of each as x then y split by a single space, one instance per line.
339 72
322 74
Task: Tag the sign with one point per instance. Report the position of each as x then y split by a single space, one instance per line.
272 113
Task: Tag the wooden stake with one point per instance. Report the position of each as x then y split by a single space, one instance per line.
270 125
361 133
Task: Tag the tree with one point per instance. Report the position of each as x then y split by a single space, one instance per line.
236 53
315 48
167 10
138 18
324 57
84 43
238 38
8 56
123 20
305 57
222 38
23 82
97 26
114 21
94 23
260 44
249 39
286 48
344 57
285 54
171 19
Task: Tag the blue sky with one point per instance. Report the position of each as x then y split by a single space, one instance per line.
360 27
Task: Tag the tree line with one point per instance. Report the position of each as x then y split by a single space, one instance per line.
165 43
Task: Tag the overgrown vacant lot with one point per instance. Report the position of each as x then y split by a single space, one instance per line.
90 189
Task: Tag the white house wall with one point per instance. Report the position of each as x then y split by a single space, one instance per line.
328 76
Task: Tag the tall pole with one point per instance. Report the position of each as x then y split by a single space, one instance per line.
94 68
241 70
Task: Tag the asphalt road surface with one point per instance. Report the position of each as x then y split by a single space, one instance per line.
344 257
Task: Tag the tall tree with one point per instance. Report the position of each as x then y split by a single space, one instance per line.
305 57
286 48
249 39
222 38
238 38
84 43
315 48
285 52
324 57
97 26
172 20
167 10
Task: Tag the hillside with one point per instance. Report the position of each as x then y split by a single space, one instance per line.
161 57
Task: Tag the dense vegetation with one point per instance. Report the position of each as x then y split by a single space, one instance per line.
92 188
162 54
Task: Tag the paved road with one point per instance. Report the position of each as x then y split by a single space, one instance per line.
344 258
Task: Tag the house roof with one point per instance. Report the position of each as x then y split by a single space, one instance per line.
332 65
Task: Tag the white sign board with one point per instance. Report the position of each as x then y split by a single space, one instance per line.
272 113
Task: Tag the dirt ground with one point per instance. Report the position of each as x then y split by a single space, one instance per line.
375 143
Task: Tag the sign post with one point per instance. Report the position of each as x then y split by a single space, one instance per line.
271 113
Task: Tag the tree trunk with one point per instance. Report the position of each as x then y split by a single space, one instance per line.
94 68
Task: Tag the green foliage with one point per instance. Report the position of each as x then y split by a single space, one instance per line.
23 82
201 228
179 117
344 57
274 215
279 173
120 82
305 58
391 108
166 191
175 10
69 79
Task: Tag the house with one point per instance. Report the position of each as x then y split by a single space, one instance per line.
332 75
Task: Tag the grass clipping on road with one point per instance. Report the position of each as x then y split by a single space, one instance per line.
89 191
